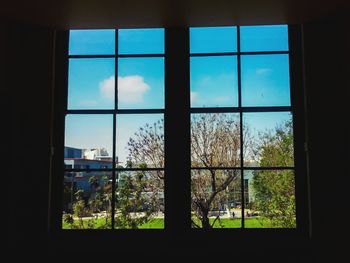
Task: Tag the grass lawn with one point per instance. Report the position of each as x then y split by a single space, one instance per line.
158 223
236 223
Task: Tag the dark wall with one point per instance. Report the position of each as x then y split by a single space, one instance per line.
27 62
327 56
27 59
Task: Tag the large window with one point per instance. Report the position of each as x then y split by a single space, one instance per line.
242 154
225 95
114 143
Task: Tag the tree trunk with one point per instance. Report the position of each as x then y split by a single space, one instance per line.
205 221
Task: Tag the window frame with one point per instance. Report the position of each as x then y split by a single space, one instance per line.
240 109
177 143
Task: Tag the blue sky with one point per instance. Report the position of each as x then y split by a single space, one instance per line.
213 80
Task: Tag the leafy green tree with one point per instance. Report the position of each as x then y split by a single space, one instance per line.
79 207
96 202
274 190
67 195
94 183
137 199
68 218
79 211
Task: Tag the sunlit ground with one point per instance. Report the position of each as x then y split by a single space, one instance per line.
158 223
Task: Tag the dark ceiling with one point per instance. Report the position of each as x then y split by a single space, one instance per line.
154 13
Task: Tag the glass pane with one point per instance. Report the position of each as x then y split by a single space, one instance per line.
264 38
92 42
91 83
140 140
271 202
140 83
88 141
140 200
141 41
216 199
214 81
265 80
213 39
268 139
215 140
87 200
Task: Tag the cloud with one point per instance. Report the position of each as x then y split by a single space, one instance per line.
131 89
194 96
107 88
263 71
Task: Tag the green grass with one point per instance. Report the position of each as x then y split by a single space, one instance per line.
236 223
100 223
257 223
158 223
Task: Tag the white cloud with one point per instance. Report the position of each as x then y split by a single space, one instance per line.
107 88
131 89
263 71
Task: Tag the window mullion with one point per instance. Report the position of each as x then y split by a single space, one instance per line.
240 123
177 130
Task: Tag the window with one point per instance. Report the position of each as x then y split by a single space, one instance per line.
242 154
113 129
196 128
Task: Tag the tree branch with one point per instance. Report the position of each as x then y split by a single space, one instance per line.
193 223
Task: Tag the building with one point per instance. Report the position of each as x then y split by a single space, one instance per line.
75 158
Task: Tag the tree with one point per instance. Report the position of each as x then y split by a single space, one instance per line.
274 190
79 209
147 146
215 142
137 198
96 197
67 198
68 218
94 183
139 194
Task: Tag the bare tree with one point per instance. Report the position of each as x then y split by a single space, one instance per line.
146 147
215 142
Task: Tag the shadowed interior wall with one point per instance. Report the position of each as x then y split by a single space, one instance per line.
28 76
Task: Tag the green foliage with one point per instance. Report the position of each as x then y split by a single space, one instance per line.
79 211
67 195
96 202
100 223
276 147
274 190
79 195
137 200
68 219
93 181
